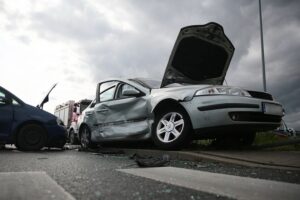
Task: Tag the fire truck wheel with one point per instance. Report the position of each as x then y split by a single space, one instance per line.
72 137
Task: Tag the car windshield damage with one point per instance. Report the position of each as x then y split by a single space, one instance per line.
148 83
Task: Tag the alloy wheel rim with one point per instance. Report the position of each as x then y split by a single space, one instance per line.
170 127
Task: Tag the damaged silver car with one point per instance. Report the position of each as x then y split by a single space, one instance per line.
189 103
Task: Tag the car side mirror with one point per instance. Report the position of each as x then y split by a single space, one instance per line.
131 93
4 101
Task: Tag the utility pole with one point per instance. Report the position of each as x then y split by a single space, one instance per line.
262 48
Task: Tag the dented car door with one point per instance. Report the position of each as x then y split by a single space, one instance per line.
118 115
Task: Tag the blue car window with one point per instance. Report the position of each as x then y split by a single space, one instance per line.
2 95
14 102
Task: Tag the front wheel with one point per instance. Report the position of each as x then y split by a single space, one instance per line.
31 137
171 129
85 138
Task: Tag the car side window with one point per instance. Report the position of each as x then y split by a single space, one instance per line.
2 95
14 102
122 88
107 91
8 98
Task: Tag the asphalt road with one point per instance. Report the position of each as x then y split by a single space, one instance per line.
87 175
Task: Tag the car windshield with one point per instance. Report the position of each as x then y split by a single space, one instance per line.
149 83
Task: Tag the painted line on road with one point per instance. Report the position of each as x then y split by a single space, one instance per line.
236 187
30 185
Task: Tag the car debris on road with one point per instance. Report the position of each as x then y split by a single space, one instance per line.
151 161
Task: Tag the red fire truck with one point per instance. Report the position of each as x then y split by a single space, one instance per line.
68 112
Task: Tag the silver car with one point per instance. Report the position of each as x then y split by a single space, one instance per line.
189 103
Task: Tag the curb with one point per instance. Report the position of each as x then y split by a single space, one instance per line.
201 156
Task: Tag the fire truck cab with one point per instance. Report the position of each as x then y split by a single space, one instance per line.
69 112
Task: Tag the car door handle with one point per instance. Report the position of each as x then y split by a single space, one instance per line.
102 110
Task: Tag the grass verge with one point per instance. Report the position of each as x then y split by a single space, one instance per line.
264 138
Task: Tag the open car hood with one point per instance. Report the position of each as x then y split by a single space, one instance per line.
46 98
201 55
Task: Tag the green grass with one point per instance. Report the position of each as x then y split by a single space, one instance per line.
267 137
262 138
271 138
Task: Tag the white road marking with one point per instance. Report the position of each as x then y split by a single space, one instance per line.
30 185
220 184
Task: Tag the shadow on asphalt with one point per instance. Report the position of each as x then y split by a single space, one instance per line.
7 148
148 145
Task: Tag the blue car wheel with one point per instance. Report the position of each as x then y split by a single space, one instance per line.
31 137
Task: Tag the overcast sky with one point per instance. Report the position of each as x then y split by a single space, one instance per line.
77 43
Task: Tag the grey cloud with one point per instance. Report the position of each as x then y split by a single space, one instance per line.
70 21
282 25
24 39
153 45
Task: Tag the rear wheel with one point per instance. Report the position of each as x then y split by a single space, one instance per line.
72 137
171 129
31 137
85 138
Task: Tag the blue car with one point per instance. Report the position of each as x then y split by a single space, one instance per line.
29 128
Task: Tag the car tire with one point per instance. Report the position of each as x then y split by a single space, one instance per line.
72 138
85 138
31 137
171 129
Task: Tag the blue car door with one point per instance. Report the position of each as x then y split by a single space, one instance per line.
6 115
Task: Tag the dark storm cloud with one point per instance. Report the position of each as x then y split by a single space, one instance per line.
158 29
282 40
70 20
113 51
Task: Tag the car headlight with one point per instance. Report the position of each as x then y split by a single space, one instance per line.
59 122
222 90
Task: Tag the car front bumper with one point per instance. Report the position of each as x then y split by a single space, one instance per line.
220 112
57 136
